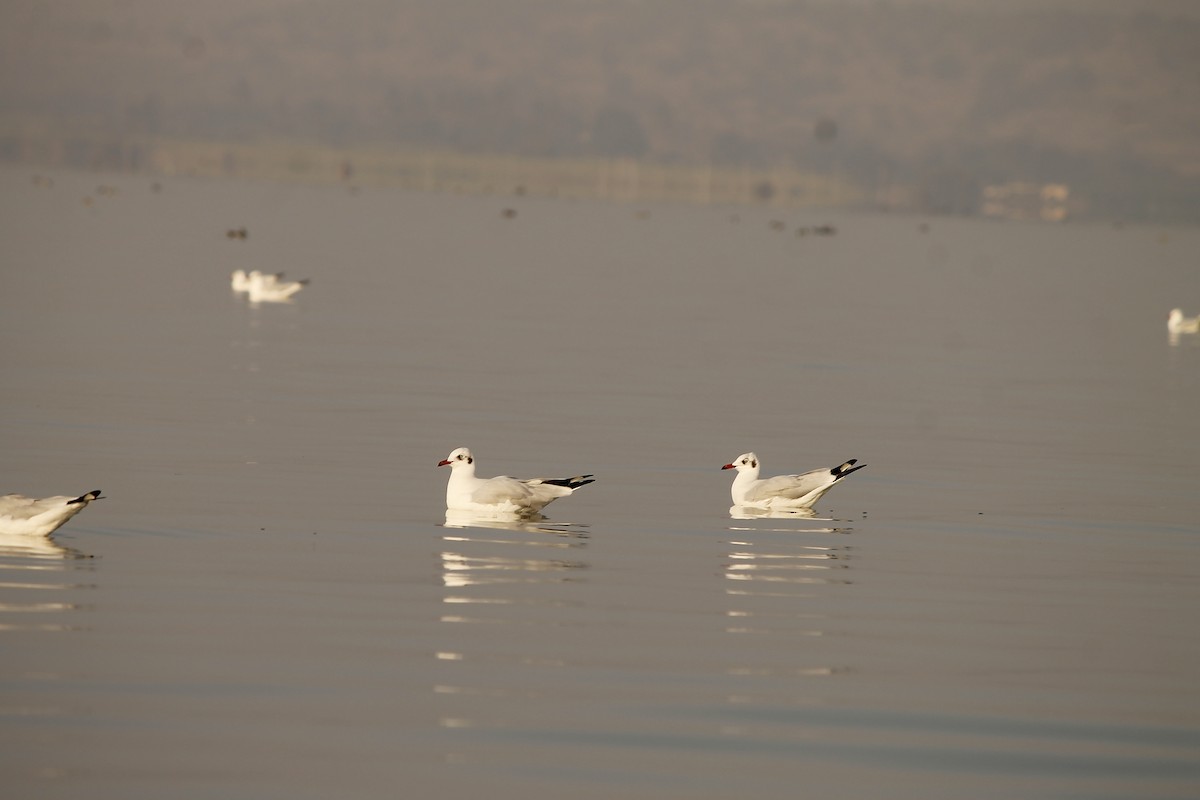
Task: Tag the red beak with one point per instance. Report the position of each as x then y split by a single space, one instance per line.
443 463
727 466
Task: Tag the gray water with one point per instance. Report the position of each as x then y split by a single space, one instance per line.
270 603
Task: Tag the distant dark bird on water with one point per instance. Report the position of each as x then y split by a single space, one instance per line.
236 233
508 213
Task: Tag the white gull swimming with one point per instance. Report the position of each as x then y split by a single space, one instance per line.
1178 323
782 491
29 516
501 495
265 287
241 280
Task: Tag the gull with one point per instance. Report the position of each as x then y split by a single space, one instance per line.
265 287
274 289
501 495
1178 323
242 280
29 516
782 491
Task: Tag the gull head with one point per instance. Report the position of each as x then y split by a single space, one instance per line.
457 458
743 462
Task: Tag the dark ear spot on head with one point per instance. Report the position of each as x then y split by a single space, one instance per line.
754 463
470 460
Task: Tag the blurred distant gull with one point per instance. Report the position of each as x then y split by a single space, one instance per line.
27 516
265 287
241 280
782 491
502 494
1178 323
273 289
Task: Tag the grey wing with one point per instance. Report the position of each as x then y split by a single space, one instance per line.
501 489
546 491
792 487
18 506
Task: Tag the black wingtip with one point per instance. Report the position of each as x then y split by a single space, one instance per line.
85 498
571 483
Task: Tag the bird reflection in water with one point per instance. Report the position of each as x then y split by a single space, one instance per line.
808 565
757 554
751 512
35 547
535 524
773 573
461 568
498 571
32 572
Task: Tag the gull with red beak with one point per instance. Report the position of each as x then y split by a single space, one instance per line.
501 495
785 492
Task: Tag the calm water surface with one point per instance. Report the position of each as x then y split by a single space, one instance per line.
272 604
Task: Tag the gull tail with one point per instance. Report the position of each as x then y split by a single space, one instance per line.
570 483
845 469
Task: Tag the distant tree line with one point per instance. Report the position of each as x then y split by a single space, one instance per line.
939 101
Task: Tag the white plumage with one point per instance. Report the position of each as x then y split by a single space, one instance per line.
265 287
1178 323
782 491
502 494
241 280
29 516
